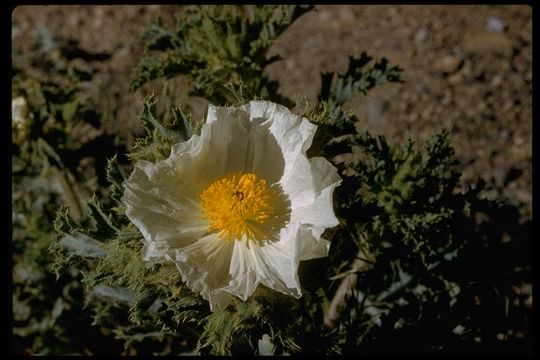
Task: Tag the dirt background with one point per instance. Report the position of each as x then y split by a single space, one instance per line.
466 68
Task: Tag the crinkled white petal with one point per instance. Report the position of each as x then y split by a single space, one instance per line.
220 149
294 135
260 152
165 213
320 213
311 246
204 266
273 265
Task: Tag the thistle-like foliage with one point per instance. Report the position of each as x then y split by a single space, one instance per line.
214 46
417 261
140 305
413 240
55 130
357 80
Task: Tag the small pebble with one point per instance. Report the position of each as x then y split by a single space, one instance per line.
420 35
447 64
495 24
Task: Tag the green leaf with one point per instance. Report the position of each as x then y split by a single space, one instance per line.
83 245
103 228
216 45
182 123
114 292
149 122
115 178
69 110
144 299
63 223
357 79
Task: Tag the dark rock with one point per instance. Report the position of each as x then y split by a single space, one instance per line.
505 174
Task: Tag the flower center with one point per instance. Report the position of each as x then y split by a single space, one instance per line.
238 205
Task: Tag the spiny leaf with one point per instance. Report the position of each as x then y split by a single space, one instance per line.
214 45
103 228
149 122
115 178
117 293
357 80
143 300
225 328
182 123
123 265
63 223
82 245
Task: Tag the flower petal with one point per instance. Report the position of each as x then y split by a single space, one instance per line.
166 216
256 149
311 246
274 265
319 213
204 266
221 148
294 135
264 156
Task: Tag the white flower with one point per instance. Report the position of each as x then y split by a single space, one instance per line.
237 206
19 110
19 119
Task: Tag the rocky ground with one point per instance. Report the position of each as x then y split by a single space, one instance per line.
466 68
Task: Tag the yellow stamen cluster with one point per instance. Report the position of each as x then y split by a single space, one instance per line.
236 204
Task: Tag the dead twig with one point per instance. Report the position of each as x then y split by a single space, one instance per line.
346 288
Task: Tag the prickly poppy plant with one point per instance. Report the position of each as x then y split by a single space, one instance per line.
266 226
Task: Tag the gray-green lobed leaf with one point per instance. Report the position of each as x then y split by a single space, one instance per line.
83 245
